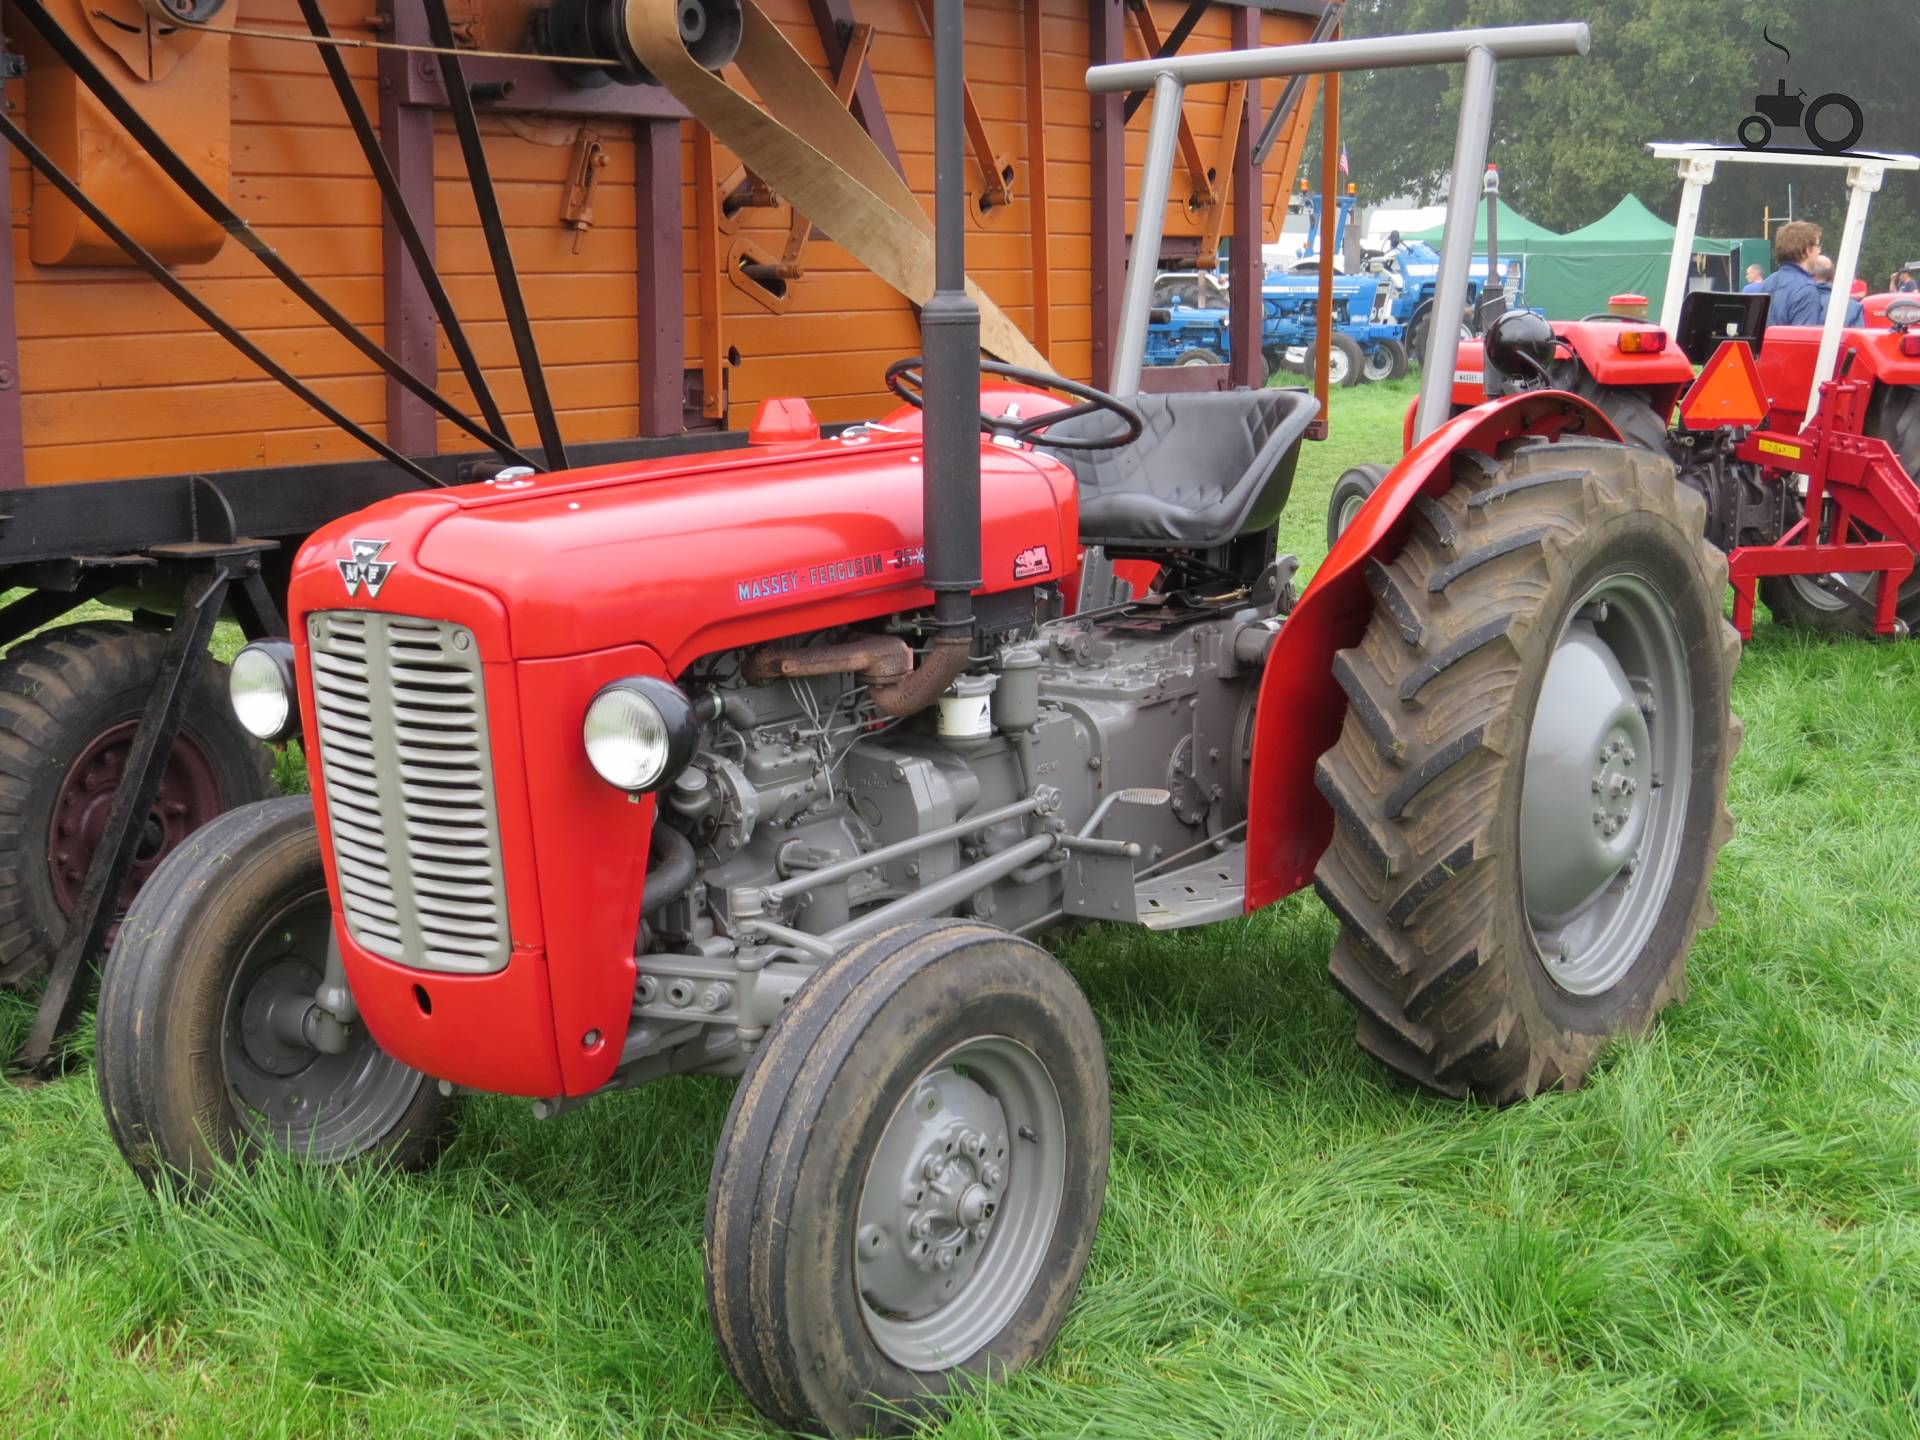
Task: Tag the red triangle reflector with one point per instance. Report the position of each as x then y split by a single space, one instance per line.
1728 392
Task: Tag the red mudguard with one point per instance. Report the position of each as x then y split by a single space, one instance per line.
1302 706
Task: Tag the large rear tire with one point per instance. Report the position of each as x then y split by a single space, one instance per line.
1530 783
202 1055
906 1191
70 699
1821 602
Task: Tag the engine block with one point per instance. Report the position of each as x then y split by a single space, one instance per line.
809 811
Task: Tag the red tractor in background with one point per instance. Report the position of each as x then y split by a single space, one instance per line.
1806 453
770 765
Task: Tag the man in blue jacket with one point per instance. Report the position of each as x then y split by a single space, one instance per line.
1796 298
1821 268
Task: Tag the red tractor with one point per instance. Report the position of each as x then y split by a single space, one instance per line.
771 765
1807 454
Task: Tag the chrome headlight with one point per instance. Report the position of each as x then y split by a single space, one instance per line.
1904 313
260 685
639 733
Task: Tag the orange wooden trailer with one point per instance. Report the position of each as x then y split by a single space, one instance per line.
603 279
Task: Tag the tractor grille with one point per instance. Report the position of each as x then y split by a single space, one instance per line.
409 789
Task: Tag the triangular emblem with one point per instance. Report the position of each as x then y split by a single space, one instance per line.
1727 393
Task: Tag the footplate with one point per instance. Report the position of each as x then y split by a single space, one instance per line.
1198 894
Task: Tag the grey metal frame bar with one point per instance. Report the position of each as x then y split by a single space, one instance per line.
1478 50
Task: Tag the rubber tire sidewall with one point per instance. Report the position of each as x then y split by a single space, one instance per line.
1356 360
240 763
163 997
1359 480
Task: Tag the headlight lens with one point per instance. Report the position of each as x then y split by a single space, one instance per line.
260 684
639 733
1904 312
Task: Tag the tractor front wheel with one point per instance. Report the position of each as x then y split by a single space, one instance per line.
205 1042
906 1191
1530 783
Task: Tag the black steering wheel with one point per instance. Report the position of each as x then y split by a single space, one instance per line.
906 379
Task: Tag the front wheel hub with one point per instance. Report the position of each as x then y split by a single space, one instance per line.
958 1204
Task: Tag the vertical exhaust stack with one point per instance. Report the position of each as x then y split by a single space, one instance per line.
950 335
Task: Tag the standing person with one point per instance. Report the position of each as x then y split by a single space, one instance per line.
1756 277
1904 282
1796 300
1820 267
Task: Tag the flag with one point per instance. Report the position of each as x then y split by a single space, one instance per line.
1345 169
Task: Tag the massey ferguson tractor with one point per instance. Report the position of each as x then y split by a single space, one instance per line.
774 764
1804 441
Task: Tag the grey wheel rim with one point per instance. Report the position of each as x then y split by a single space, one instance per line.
1336 366
1349 507
959 1204
1379 365
1608 775
287 1094
1825 592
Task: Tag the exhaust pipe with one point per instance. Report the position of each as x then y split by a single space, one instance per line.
950 335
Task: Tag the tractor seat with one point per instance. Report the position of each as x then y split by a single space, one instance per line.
1209 467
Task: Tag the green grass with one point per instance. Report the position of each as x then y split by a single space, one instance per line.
1719 1235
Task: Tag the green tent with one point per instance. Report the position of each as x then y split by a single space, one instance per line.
1518 235
1624 250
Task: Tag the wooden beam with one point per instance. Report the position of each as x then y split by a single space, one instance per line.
1037 196
409 334
662 305
834 20
706 224
1223 158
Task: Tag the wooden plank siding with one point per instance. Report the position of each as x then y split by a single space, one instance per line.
117 380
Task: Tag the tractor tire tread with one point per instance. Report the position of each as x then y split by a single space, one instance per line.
1418 768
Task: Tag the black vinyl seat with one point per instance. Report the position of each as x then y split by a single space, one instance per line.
1208 468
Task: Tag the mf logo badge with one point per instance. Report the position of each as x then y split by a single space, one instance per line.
1032 561
365 567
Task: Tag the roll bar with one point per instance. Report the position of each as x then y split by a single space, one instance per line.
1169 77
1866 169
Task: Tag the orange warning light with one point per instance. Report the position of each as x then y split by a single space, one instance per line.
1728 392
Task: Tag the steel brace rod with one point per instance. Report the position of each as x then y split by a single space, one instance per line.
202 311
403 221
176 169
480 179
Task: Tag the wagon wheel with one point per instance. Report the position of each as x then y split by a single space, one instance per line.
70 700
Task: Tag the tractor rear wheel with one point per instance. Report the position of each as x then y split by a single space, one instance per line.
1628 407
1821 602
906 1191
1198 355
204 1044
70 700
1530 783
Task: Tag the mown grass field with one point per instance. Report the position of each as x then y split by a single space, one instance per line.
1719 1235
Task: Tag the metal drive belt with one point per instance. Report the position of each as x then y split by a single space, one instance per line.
812 152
